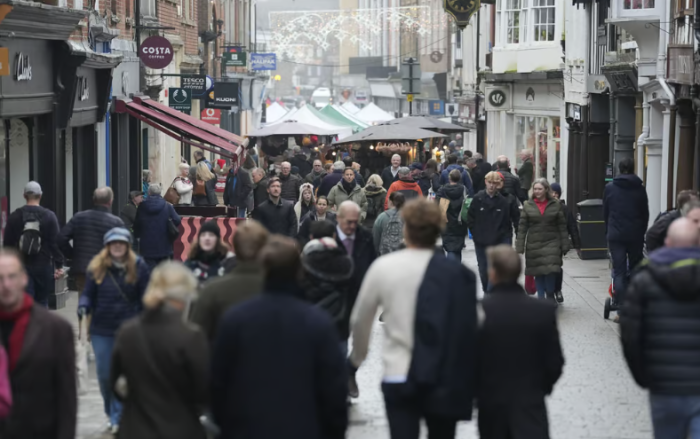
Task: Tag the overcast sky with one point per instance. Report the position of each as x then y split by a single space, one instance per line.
267 6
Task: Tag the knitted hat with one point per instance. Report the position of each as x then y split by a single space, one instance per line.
117 234
211 227
556 187
316 245
416 166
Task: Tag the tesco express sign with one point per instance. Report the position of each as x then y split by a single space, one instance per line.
156 52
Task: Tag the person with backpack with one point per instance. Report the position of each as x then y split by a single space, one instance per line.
155 226
388 229
450 198
375 194
204 193
33 230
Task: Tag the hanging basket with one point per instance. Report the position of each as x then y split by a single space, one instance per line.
389 149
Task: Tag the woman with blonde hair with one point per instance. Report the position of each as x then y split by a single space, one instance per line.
115 284
204 186
183 185
161 362
375 194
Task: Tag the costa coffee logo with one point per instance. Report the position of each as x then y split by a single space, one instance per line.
156 52
23 69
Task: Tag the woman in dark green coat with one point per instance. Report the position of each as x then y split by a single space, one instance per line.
543 238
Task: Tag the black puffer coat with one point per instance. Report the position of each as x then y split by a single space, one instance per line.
326 275
659 322
511 185
543 238
290 187
456 229
656 235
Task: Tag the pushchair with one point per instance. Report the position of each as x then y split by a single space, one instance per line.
610 304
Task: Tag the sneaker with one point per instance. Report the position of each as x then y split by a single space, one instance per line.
559 296
353 390
114 429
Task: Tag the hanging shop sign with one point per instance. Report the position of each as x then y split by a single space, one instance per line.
234 57
224 96
196 84
156 52
23 68
497 98
437 108
4 61
211 115
263 61
180 99
461 10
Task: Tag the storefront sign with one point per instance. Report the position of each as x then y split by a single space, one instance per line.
437 108
83 89
461 10
196 84
234 57
23 68
180 99
156 52
497 98
211 115
4 61
263 61
225 95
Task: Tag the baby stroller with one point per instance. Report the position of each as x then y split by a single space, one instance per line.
610 304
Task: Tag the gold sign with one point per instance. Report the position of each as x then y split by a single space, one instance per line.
4 61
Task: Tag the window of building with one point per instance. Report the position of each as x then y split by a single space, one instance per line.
509 13
638 4
544 20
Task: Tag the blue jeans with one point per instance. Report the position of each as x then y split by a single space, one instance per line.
240 212
625 256
103 347
546 283
675 417
457 256
41 282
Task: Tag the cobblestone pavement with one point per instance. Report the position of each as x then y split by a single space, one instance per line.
596 397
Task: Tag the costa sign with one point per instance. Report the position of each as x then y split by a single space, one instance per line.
156 52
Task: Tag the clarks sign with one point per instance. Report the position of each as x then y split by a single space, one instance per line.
156 52
23 69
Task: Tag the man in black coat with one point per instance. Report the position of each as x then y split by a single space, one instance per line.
660 331
260 187
290 183
276 214
128 213
239 185
512 382
656 235
277 357
479 172
152 227
511 183
330 180
301 162
390 174
626 213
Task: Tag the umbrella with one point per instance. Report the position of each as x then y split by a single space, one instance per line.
290 128
379 133
427 123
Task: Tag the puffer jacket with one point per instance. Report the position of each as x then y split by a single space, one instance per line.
466 178
656 235
337 196
511 185
277 218
326 275
290 187
208 265
543 238
659 322
626 209
375 203
455 230
87 230
151 227
408 187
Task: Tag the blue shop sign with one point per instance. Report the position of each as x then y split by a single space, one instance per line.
263 61
437 108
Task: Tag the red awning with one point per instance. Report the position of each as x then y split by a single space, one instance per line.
178 128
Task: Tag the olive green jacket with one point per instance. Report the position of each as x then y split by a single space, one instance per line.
543 238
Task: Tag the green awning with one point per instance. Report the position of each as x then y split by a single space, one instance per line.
331 115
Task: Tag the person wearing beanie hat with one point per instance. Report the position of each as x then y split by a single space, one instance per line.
208 253
572 229
128 213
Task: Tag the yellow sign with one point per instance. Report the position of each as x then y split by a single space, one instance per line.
409 98
4 61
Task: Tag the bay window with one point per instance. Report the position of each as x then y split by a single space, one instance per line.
543 12
525 21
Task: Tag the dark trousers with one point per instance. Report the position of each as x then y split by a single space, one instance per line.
482 261
625 256
153 262
457 256
404 412
498 421
41 282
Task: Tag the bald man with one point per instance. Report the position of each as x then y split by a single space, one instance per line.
660 326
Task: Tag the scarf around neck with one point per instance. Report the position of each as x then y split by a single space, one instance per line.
16 338
349 187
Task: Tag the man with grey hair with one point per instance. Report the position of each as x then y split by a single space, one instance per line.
479 172
301 162
391 173
331 179
316 175
87 230
527 170
154 227
259 187
290 183
405 184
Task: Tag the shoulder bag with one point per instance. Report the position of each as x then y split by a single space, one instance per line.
173 231
171 195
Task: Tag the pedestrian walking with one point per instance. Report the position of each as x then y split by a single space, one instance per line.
375 194
512 382
128 213
348 189
183 185
208 254
388 229
543 238
86 231
489 219
405 185
451 200
347 161
574 237
239 187
276 356
390 174
511 183
321 213
290 183
331 180
480 172
465 178
429 178
660 334
242 283
526 173
626 213
301 162
154 227
656 235
198 158
116 282
306 203
160 363
317 173
429 307
41 358
33 231
204 192
277 214
260 183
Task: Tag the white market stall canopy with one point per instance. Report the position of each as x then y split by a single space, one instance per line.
306 116
351 108
350 116
275 112
373 115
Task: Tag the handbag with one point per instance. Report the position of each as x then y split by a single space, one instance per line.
172 229
171 195
530 286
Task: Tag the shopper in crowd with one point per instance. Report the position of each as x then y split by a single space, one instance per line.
511 183
33 231
204 192
40 360
489 221
660 334
331 180
390 174
306 203
208 253
479 172
145 181
429 178
316 175
429 306
86 231
526 173
290 183
184 186
691 210
626 213
260 182
128 213
242 283
572 229
451 200
276 214
162 397
465 178
405 185
543 238
513 383
239 186
514 204
348 189
116 282
347 161
277 357
388 229
321 213
301 162
154 227
656 235
375 194
199 158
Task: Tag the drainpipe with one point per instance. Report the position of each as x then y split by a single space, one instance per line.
641 147
613 122
671 142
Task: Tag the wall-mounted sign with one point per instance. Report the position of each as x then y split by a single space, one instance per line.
224 95
23 68
436 108
234 57
83 93
211 115
180 99
156 52
4 61
263 61
461 10
197 84
497 98
452 110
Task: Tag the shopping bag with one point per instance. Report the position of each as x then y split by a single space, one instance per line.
81 360
530 286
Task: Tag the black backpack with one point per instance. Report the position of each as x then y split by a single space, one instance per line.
30 240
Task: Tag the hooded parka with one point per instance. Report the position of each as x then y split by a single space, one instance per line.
542 237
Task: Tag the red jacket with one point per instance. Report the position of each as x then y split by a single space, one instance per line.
409 188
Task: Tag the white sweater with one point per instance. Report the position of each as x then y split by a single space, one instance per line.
392 283
184 189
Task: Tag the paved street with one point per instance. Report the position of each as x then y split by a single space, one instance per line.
595 399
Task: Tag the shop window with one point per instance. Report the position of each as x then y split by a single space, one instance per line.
544 12
539 136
